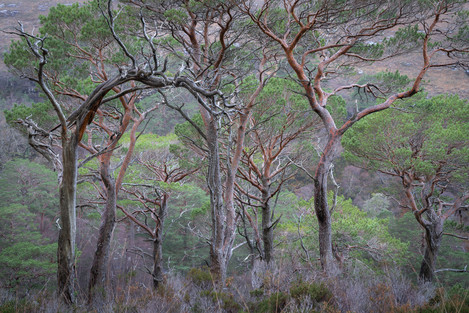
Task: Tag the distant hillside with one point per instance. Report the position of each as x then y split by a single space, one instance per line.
13 89
440 80
25 11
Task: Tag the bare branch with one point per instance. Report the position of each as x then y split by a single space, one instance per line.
41 54
463 270
100 152
36 136
123 93
457 236
110 19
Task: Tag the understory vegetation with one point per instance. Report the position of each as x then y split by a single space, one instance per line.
286 289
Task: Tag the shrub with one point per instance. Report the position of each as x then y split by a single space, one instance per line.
14 306
316 291
200 277
257 292
456 300
273 304
226 300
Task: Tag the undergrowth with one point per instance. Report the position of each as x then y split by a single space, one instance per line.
283 290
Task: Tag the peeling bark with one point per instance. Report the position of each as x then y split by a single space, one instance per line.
433 237
321 205
218 214
67 233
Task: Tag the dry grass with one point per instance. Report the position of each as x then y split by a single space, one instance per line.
286 288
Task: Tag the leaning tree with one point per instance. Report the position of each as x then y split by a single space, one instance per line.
138 68
84 51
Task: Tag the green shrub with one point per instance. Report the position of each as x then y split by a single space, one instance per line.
257 292
227 300
273 304
200 277
316 291
14 306
455 299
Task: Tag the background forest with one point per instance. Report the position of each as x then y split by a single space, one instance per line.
234 156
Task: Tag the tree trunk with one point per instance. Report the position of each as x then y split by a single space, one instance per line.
433 236
267 233
98 277
324 221
321 206
262 264
67 234
267 229
217 256
158 245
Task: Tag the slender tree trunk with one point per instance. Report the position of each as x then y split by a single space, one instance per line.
131 243
99 268
267 229
97 282
158 245
262 264
321 206
433 236
267 233
67 234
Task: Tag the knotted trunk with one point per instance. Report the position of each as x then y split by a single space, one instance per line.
321 205
222 210
433 236
324 221
67 234
98 273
